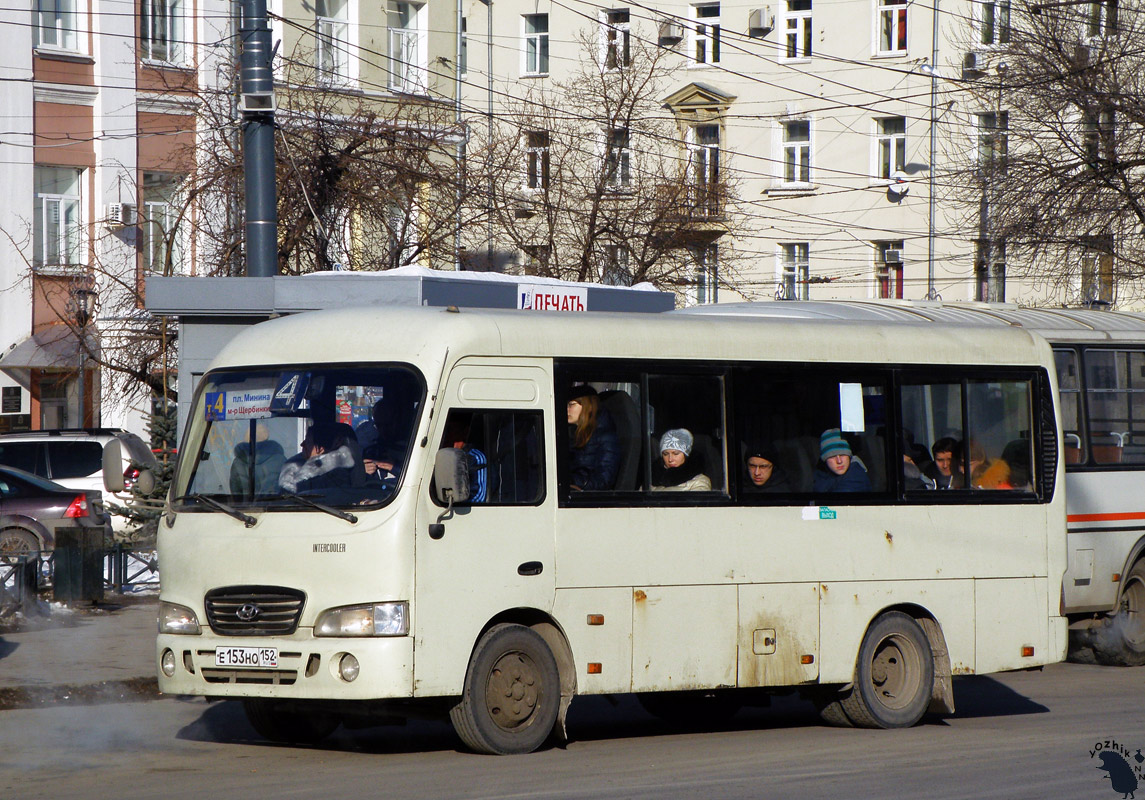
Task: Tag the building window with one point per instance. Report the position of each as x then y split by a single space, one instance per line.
1097 136
536 261
704 159
891 145
706 33
707 257
407 48
464 46
990 271
536 44
618 159
797 151
892 27
615 35
1102 18
161 30
615 270
795 271
992 132
57 24
537 159
797 28
1097 280
332 41
888 269
994 22
162 245
58 224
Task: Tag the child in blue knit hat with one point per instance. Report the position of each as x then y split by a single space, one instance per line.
839 470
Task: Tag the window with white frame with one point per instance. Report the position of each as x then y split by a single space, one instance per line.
161 30
58 235
332 41
990 270
795 271
888 269
992 132
993 22
57 24
615 270
536 159
618 159
891 136
408 67
892 25
536 43
616 42
1097 278
706 33
797 28
707 258
464 46
162 235
797 151
1098 129
704 160
1102 18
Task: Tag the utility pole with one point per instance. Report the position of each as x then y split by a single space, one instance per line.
256 87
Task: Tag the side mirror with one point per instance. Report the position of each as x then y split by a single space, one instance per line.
145 483
113 466
451 476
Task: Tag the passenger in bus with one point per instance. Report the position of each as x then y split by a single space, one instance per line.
594 447
677 471
839 470
385 437
326 463
456 435
975 462
1011 471
764 474
268 458
944 469
914 479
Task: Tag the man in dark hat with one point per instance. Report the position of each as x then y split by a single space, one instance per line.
763 473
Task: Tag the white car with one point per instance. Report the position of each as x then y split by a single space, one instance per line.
73 457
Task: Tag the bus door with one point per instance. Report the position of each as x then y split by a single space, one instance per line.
494 552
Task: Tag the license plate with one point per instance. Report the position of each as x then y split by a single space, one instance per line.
246 657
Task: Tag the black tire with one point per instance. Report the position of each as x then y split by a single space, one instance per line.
690 708
511 695
829 704
894 676
15 542
288 724
1120 640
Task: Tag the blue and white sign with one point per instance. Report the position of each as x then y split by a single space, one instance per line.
238 404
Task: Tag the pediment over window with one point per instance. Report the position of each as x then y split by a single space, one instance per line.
697 97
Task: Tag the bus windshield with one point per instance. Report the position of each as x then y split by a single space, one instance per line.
290 438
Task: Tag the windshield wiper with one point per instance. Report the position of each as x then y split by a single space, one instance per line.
245 519
306 501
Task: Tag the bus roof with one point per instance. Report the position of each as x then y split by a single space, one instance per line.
423 335
1056 324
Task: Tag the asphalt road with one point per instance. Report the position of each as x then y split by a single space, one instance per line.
1020 735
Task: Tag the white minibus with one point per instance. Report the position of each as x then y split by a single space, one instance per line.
379 513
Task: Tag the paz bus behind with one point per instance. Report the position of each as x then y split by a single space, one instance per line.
465 574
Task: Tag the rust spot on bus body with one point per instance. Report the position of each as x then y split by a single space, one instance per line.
890 537
639 596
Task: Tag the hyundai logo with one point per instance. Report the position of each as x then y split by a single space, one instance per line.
248 612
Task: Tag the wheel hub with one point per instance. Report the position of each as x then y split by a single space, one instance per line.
512 691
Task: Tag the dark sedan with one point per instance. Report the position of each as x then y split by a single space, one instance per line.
33 510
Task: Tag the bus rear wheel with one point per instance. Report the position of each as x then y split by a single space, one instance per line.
894 677
290 725
1121 642
511 695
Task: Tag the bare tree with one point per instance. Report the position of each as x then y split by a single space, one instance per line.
590 178
1053 170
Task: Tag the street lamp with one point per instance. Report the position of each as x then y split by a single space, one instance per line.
82 307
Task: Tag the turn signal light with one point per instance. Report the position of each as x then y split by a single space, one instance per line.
807 659
78 508
594 668
596 619
1027 652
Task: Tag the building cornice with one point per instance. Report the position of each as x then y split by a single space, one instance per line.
67 93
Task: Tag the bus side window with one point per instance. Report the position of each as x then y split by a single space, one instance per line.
504 454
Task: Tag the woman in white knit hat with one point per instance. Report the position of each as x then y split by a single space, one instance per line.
677 471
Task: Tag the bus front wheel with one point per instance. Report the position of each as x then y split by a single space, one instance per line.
894 678
1121 641
511 695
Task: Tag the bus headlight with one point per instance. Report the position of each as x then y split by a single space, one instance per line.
174 618
373 619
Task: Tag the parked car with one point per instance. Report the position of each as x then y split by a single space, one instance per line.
73 457
33 511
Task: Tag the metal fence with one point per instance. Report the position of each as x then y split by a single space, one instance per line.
126 568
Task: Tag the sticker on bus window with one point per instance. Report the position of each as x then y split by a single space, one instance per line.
290 394
818 512
851 414
238 404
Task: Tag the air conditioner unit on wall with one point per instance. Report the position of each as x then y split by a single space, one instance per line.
116 215
760 22
671 32
892 256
